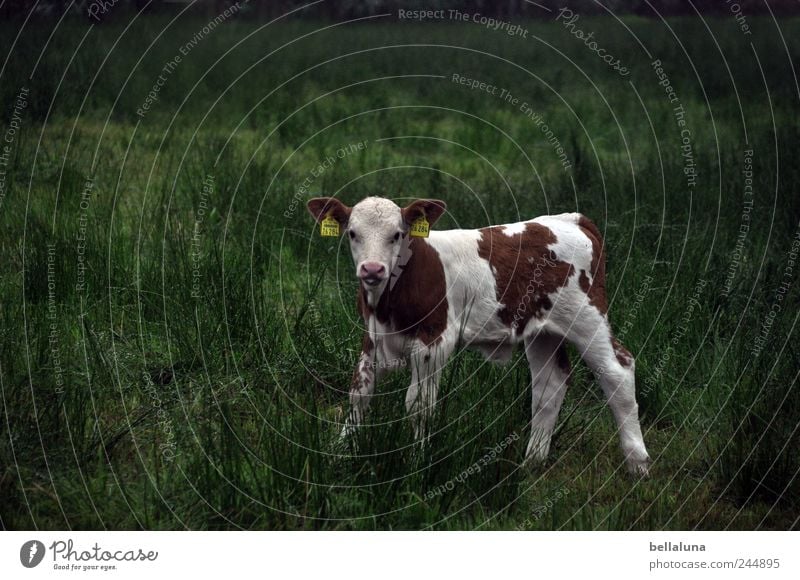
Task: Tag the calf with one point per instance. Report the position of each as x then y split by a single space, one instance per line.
540 282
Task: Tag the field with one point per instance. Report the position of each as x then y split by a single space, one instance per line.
176 340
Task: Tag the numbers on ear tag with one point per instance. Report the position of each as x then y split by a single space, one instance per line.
420 228
329 227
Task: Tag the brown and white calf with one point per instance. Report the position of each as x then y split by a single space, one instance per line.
540 282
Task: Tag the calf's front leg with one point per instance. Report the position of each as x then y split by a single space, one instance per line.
362 386
372 365
426 371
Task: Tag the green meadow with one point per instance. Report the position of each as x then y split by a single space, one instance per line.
177 341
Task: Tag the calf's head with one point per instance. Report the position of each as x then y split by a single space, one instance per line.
378 230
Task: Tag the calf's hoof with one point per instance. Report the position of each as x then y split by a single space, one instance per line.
639 467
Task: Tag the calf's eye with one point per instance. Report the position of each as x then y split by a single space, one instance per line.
397 236
352 235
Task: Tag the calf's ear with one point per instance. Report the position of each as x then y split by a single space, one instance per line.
320 207
430 209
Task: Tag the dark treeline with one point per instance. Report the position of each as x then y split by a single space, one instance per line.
99 10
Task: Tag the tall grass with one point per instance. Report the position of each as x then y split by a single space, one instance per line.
198 376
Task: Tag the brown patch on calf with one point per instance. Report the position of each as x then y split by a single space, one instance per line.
430 209
624 357
526 271
358 379
363 308
321 207
362 374
416 305
596 288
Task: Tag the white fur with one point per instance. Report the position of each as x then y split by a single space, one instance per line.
375 221
512 230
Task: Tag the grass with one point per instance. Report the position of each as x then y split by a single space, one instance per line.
182 358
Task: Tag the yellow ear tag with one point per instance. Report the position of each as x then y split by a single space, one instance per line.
420 228
329 227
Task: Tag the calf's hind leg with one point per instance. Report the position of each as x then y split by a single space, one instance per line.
614 367
547 358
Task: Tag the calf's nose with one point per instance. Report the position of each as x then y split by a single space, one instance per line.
373 270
